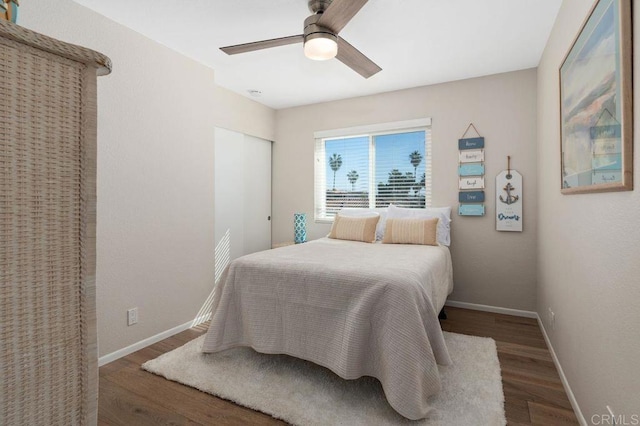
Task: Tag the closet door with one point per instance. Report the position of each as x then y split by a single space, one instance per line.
257 194
242 195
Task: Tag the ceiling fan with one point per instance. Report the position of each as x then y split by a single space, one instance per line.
320 38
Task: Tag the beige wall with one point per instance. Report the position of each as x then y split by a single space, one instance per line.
156 119
588 254
490 267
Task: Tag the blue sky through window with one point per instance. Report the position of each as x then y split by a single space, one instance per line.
355 156
392 152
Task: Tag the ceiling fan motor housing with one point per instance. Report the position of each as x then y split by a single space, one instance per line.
316 6
313 30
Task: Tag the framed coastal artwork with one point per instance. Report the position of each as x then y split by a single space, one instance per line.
596 121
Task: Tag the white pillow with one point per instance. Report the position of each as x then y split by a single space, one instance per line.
363 212
443 213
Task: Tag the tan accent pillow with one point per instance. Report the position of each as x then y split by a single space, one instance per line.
354 228
411 231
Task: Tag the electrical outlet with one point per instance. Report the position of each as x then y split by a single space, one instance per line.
132 316
552 319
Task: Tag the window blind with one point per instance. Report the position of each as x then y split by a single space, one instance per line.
372 170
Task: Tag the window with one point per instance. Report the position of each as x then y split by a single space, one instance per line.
373 167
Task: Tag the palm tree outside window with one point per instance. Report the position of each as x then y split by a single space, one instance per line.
335 162
373 170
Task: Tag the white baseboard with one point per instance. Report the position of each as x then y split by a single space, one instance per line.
563 378
494 309
151 340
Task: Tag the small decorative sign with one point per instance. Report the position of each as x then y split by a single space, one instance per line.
606 176
471 174
604 146
471 170
509 201
471 210
471 156
470 143
471 197
471 182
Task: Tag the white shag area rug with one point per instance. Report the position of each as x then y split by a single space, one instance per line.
302 393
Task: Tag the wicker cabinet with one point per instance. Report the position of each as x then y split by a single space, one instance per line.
48 343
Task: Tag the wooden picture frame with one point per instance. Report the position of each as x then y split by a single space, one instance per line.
596 112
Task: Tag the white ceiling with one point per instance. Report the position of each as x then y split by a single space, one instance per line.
416 42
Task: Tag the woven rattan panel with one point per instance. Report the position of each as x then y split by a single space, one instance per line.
42 359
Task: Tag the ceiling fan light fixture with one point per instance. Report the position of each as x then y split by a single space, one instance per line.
320 36
320 46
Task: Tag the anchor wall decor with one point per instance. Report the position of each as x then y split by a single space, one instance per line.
509 200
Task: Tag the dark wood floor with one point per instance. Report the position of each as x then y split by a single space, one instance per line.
533 392
532 388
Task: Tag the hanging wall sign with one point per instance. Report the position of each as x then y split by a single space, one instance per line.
471 156
470 143
509 201
471 197
471 174
476 182
471 210
471 170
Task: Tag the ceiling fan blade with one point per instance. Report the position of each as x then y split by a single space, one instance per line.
339 13
264 44
354 59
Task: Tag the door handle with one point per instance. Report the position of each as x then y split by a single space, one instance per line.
268 217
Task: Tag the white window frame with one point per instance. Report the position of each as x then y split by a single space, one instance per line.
371 131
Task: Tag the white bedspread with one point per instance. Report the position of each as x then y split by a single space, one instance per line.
358 309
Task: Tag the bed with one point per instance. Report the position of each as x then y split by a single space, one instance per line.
359 309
